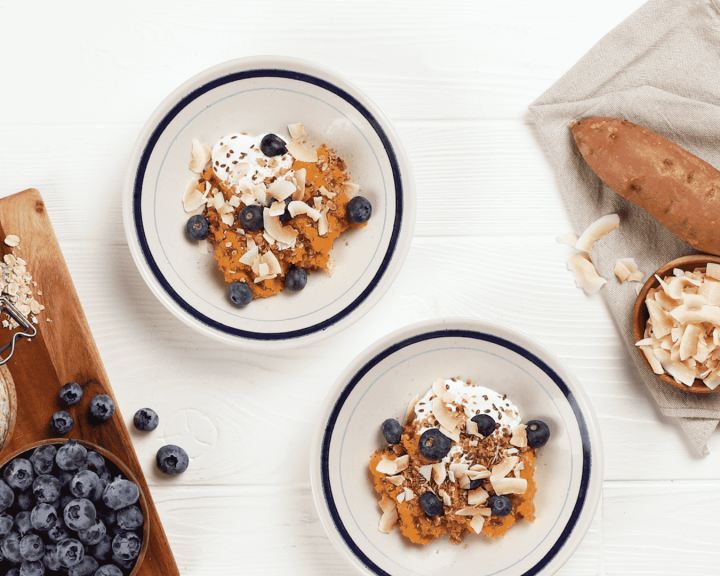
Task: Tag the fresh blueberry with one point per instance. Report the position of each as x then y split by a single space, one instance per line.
538 433
95 461
7 496
272 145
6 524
58 531
71 456
359 210
64 477
32 568
87 566
126 545
101 408
43 517
70 552
108 516
240 294
32 547
475 484
10 547
431 504
285 217
108 570
172 460
71 393
50 558
120 493
295 279
43 459
102 551
146 420
434 445
61 422
251 218
485 424
79 514
500 505
392 430
130 518
25 500
126 564
13 572
197 227
92 535
19 474
84 484
65 499
97 494
23 525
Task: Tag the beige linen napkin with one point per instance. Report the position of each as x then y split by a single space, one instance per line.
661 69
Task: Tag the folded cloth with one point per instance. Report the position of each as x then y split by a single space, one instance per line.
660 68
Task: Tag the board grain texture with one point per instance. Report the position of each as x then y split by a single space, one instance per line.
64 351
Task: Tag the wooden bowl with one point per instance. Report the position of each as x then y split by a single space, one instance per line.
8 406
114 465
640 313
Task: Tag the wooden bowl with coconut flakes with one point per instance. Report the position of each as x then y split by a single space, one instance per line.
686 311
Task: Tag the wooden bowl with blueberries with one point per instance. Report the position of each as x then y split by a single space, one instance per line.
70 505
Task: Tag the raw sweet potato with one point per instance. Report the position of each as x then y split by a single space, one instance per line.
676 187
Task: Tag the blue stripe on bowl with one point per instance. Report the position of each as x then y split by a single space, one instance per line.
569 396
140 226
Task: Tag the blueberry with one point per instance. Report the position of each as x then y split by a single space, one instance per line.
146 420
538 433
32 547
32 568
61 422
102 551
126 545
65 500
95 461
475 484
285 217
87 566
6 524
50 558
434 445
240 294
431 504
295 279
129 518
126 564
71 456
13 572
23 525
7 496
58 531
92 535
79 514
43 459
108 570
84 484
10 547
485 424
359 210
108 516
197 227
251 218
500 505
120 493
43 517
172 460
392 430
272 145
19 474
71 393
25 500
70 552
101 408
64 477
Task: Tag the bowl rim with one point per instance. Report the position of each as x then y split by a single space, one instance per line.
117 462
640 315
593 454
286 67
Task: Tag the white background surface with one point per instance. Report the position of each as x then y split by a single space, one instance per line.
79 79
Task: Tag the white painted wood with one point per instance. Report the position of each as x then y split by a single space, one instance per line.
79 81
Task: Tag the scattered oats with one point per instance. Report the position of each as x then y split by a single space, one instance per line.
12 240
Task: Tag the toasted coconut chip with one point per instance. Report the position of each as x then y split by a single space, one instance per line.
703 350
445 417
439 387
269 239
323 224
503 469
402 462
271 260
274 227
470 511
409 494
569 238
713 270
709 314
465 482
200 156
426 472
277 208
234 201
471 428
395 480
387 467
477 524
652 360
387 504
649 341
388 521
519 468
439 473
300 183
411 408
661 321
248 199
586 276
400 497
627 270
203 246
192 197
296 130
458 469
666 303
281 189
259 192
454 435
449 397
228 219
297 207
675 368
447 501
477 496
317 201
350 188
711 293
713 380
240 170
478 468
597 230
689 342
509 485
325 192
301 153
519 436
676 285
478 474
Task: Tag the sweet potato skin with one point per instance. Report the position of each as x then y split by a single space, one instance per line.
676 187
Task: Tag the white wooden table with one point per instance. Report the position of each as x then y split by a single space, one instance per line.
79 81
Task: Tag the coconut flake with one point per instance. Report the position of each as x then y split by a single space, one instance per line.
388 521
509 485
713 270
296 130
519 436
281 189
627 270
387 467
200 156
192 197
652 360
395 480
301 153
274 227
586 276
297 207
477 524
503 469
477 496
569 238
323 224
445 417
426 471
597 230
439 473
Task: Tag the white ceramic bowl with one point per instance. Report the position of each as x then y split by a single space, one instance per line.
258 95
380 383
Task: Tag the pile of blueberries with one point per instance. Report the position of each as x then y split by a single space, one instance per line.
64 509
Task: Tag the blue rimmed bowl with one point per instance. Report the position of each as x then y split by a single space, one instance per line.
258 95
380 383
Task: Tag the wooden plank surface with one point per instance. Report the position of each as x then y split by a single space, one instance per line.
64 351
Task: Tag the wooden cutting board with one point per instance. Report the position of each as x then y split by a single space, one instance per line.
64 351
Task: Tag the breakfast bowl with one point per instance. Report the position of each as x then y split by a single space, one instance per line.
97 519
641 316
261 95
382 381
